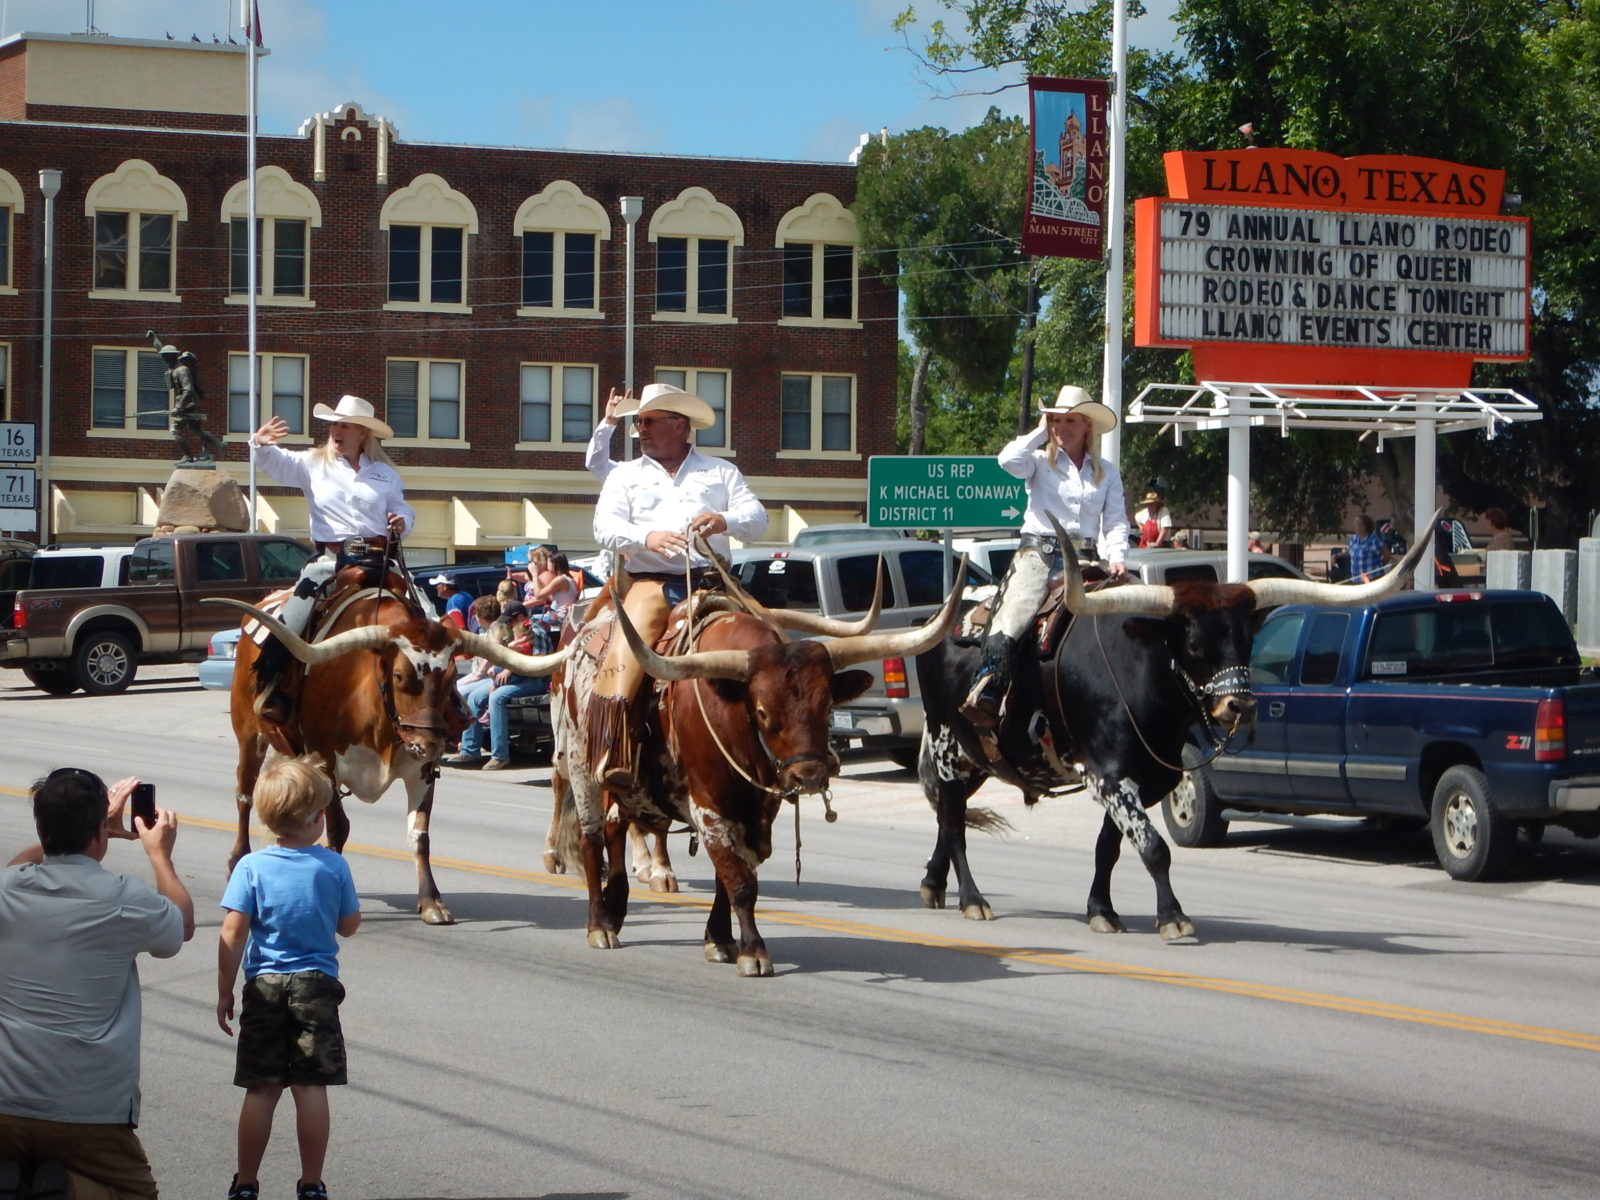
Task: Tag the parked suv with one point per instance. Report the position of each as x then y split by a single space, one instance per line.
837 581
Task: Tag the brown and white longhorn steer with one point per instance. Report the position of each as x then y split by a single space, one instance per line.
740 726
377 703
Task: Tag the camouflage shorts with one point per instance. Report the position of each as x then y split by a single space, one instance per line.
289 1031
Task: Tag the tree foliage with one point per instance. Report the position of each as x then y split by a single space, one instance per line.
1507 84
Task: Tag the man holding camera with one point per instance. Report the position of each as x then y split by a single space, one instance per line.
69 990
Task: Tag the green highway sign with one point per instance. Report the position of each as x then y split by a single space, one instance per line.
942 491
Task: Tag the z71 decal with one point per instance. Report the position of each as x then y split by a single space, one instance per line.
1519 741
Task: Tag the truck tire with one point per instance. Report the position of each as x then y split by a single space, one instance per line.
1472 840
104 663
53 676
1191 810
905 757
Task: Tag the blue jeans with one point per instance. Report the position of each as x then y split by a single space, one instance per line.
499 723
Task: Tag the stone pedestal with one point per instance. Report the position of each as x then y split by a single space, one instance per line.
196 501
1589 596
1555 573
1508 569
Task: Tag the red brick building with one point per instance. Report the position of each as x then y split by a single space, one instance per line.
475 294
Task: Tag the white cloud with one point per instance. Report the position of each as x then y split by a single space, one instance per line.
610 124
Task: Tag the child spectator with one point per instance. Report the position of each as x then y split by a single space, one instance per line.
283 906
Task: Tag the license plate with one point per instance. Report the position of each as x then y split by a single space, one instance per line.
841 720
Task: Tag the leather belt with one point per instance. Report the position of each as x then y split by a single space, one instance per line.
374 545
700 575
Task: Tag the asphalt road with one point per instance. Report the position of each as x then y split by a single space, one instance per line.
1350 1022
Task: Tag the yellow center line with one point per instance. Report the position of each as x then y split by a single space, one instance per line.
1485 1026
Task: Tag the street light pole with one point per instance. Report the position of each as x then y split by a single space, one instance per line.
50 186
632 206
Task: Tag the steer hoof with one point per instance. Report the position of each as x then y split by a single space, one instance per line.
604 939
1181 930
661 881
553 864
754 966
977 912
719 954
1103 923
435 913
932 897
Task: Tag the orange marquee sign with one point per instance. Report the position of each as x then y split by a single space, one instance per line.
1292 266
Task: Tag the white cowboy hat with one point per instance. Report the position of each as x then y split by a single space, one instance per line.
353 410
1073 399
438 579
663 397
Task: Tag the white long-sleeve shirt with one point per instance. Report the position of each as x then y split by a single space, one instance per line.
598 455
639 497
1070 494
344 502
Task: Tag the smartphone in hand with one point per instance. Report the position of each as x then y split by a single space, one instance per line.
142 805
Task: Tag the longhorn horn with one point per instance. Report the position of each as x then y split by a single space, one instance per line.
504 656
1144 599
368 637
703 664
804 622
909 643
1307 591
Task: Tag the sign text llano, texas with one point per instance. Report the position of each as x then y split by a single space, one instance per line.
941 492
1343 279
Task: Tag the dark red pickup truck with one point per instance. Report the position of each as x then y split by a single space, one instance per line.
94 638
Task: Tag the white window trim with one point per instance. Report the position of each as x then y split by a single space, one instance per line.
13 197
264 296
431 203
690 377
264 361
816 377
278 197
813 321
134 214
130 399
823 221
693 316
558 369
6 357
423 440
136 187
560 209
425 273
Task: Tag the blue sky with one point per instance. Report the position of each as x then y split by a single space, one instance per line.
784 79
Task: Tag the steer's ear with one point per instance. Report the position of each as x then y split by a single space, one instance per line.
847 685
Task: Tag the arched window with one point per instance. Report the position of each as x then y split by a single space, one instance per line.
135 212
286 213
695 237
12 201
560 231
428 224
819 242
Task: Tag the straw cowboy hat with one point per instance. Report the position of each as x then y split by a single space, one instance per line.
1073 399
353 410
663 397
1153 497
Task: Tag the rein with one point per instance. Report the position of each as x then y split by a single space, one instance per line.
1236 683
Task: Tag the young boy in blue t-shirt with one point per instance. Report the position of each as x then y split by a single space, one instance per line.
284 904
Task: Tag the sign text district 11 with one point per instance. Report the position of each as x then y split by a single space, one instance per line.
941 492
1364 280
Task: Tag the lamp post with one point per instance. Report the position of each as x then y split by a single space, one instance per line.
50 187
631 206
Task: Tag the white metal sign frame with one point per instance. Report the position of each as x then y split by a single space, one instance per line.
1419 412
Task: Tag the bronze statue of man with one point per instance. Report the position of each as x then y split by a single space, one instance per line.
186 395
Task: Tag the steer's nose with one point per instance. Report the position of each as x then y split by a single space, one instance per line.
807 778
1235 710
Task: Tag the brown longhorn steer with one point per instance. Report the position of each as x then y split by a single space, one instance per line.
376 704
740 726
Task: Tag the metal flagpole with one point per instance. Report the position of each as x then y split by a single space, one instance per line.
1111 382
250 17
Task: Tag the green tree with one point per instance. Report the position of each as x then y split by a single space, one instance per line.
1510 84
942 211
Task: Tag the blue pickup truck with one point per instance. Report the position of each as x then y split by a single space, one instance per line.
1467 711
